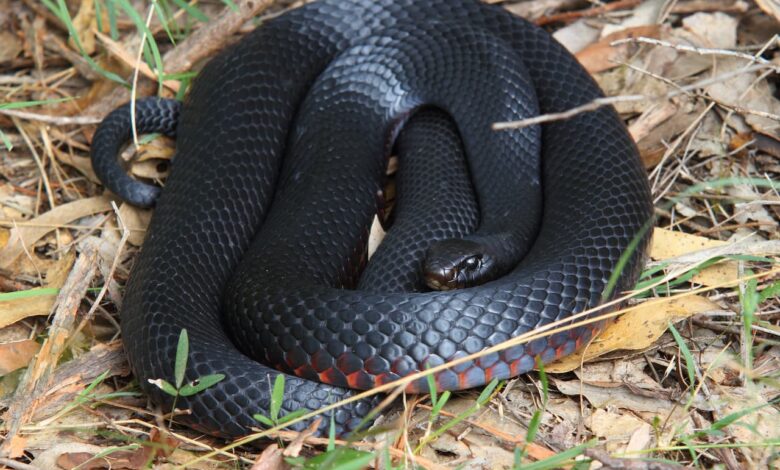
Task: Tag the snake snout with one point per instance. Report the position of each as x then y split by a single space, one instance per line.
457 264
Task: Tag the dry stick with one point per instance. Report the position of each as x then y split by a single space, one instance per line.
698 6
701 50
37 379
757 55
56 45
10 463
552 328
72 376
670 179
124 425
655 175
108 276
213 36
13 224
56 120
595 11
605 101
599 102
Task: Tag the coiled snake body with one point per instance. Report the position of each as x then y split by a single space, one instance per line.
276 242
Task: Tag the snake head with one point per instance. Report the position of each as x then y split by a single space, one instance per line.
456 264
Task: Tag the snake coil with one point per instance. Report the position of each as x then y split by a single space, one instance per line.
267 248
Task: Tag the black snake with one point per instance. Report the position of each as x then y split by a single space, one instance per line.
277 242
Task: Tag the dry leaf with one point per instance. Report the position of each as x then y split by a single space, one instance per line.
10 46
621 397
618 373
16 355
668 244
617 428
28 232
295 447
15 447
5 235
753 209
746 92
72 455
270 459
136 220
15 205
82 164
496 433
647 13
641 439
760 425
770 7
650 119
85 23
11 311
636 329
48 458
716 30
577 36
603 55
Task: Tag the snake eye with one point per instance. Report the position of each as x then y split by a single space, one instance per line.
472 263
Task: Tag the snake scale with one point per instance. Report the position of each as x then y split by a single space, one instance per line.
281 144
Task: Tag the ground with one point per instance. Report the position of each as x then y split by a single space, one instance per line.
688 374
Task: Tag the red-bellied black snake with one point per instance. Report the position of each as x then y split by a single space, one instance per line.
255 254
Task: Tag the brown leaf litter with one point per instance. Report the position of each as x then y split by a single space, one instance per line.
695 81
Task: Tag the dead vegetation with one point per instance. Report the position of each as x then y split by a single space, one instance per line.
689 375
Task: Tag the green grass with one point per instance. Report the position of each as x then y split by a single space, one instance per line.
24 104
179 388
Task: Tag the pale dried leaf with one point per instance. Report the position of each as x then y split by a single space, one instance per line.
11 311
136 220
716 30
602 55
617 373
647 13
621 397
85 24
10 46
753 210
375 236
758 426
636 329
749 92
16 355
537 8
669 244
48 458
617 428
641 439
578 35
24 236
270 459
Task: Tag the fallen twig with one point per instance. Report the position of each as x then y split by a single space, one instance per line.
609 100
38 378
